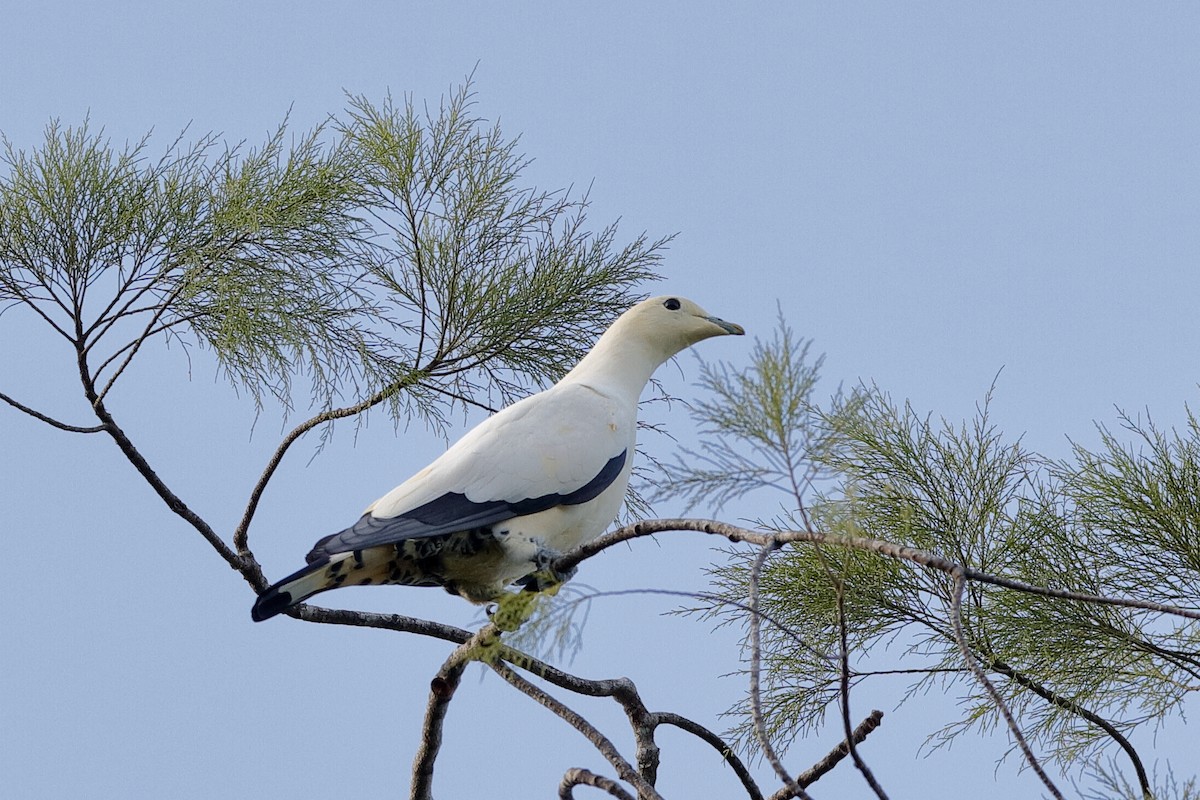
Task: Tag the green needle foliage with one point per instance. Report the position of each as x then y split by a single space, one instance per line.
505 284
1120 522
252 255
388 257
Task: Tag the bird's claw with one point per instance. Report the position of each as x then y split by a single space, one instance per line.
545 576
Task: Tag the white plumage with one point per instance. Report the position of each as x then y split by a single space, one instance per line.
530 482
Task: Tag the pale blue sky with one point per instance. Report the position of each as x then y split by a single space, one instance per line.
933 192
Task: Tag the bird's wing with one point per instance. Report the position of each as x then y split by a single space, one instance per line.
564 446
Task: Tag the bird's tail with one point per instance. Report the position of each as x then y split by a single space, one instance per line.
296 588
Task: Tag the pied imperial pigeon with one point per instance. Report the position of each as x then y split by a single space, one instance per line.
530 482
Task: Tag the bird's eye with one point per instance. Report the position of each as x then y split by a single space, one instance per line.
671 304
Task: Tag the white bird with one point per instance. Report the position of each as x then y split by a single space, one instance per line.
530 482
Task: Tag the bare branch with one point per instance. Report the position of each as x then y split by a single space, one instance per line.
718 744
461 398
844 669
826 764
243 564
241 533
441 692
390 622
582 777
643 722
624 769
926 559
960 583
621 689
760 727
1075 708
62 426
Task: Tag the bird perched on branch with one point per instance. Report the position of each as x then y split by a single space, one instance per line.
530 482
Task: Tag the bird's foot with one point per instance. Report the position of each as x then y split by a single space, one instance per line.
545 578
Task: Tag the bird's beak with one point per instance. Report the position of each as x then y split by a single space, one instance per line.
728 327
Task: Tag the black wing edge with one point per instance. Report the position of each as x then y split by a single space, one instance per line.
454 512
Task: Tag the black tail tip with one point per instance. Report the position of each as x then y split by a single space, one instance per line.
269 604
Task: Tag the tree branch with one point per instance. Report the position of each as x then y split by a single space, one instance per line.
582 777
1070 705
844 670
826 764
62 426
441 692
624 769
718 744
760 727
643 723
390 622
959 573
241 533
926 559
37 309
246 565
622 690
625 692
960 583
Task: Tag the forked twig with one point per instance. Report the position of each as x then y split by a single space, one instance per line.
241 533
960 583
760 727
844 669
833 758
624 769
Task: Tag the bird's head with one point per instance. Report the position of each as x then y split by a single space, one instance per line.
643 338
674 323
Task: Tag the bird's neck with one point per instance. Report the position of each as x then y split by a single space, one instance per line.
619 366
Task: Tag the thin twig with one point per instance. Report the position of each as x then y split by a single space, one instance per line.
960 583
826 764
137 343
62 426
844 669
724 601
756 712
839 584
718 744
37 309
165 327
625 770
1075 708
241 533
103 318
